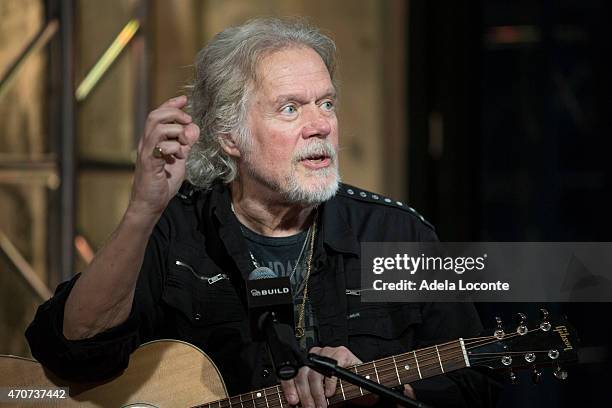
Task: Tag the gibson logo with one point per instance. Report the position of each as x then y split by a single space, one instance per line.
265 292
564 334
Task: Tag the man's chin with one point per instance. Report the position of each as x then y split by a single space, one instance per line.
313 192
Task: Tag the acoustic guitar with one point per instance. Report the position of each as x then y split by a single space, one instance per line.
170 373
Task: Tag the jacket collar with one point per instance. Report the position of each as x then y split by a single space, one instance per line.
336 233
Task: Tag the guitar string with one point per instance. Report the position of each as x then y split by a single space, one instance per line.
383 374
506 353
493 339
276 390
426 360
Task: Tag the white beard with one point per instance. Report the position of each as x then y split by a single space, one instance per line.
292 190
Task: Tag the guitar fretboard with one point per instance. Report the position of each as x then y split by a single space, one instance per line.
390 371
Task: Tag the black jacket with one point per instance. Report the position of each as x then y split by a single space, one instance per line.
176 299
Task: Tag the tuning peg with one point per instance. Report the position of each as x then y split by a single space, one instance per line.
545 325
536 376
560 374
522 327
513 378
499 332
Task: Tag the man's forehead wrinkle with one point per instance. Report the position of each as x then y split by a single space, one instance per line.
288 74
297 73
302 95
290 84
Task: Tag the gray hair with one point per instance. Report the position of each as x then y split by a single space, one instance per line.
225 74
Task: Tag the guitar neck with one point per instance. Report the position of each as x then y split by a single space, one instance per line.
390 371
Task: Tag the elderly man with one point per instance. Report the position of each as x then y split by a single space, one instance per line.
260 153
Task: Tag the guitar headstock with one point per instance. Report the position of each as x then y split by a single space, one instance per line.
547 343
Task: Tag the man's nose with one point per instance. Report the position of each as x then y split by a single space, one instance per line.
317 124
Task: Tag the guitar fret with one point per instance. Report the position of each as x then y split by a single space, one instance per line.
342 389
467 361
257 399
417 364
439 359
357 372
375 372
399 381
237 401
253 400
266 398
280 398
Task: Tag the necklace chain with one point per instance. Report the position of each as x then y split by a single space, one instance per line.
310 238
300 326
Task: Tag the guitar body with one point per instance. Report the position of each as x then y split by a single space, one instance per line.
162 373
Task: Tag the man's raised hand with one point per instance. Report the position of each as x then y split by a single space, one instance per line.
162 153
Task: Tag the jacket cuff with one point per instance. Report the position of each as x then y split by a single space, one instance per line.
107 351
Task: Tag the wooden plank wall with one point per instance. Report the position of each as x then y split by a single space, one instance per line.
23 136
371 40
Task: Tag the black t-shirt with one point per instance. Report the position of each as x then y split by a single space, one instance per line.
287 256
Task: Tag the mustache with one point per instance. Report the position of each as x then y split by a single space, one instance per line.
316 148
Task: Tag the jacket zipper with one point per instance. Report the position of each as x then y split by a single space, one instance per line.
211 280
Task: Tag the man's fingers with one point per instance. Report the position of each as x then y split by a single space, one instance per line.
316 388
171 131
176 102
303 388
192 131
330 386
171 148
409 391
290 392
170 115
185 135
165 115
344 357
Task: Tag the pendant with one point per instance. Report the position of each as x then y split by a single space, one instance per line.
299 332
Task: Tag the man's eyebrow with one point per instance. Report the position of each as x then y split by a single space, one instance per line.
330 93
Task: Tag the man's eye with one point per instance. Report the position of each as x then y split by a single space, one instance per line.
289 110
328 105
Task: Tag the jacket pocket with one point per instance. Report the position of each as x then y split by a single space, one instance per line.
382 330
201 293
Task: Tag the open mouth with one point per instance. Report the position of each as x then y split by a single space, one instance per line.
316 161
317 158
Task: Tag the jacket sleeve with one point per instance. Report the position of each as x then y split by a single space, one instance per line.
105 354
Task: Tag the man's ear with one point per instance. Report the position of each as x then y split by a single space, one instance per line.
229 145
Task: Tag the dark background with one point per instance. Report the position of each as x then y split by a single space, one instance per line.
520 91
